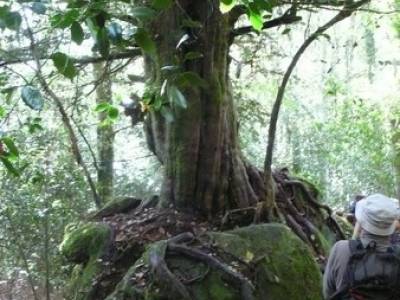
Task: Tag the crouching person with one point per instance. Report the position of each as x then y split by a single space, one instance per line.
367 267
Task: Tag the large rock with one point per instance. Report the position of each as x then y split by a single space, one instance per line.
281 267
86 245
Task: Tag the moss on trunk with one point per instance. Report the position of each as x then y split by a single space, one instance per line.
204 166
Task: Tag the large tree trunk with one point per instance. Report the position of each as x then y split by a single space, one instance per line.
204 166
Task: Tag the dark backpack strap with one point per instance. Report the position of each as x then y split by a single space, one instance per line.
357 250
355 246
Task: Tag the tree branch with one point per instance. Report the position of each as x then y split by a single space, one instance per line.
80 61
285 19
347 11
65 119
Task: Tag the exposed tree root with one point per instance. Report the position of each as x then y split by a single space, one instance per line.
163 275
246 287
297 205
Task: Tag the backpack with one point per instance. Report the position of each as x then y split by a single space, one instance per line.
371 275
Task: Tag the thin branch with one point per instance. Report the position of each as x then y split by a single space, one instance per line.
82 134
136 78
80 61
285 19
347 11
65 119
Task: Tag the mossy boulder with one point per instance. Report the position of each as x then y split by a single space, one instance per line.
281 267
85 241
117 205
85 245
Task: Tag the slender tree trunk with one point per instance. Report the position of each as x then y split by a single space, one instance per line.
396 153
105 136
204 166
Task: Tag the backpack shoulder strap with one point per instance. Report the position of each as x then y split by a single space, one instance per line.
356 247
395 249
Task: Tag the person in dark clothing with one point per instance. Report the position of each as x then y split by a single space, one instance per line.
376 217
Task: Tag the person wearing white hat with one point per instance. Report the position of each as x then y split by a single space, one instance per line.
376 221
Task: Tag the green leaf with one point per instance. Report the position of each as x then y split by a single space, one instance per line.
193 55
190 79
286 30
158 102
162 4
266 5
102 42
38 8
64 65
114 31
143 13
226 5
64 20
2 112
100 18
175 96
167 113
101 107
77 34
113 113
9 166
9 92
34 127
144 41
32 97
256 19
12 20
10 146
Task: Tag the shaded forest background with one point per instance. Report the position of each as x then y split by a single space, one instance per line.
339 127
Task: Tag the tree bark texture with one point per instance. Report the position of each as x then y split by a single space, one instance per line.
204 166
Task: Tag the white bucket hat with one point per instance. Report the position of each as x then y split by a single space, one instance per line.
377 214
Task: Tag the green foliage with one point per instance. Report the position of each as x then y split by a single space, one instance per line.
9 155
162 4
77 34
257 10
64 20
396 18
144 41
64 65
9 19
112 112
143 13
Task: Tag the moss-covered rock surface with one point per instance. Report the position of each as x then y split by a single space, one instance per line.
86 245
270 258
